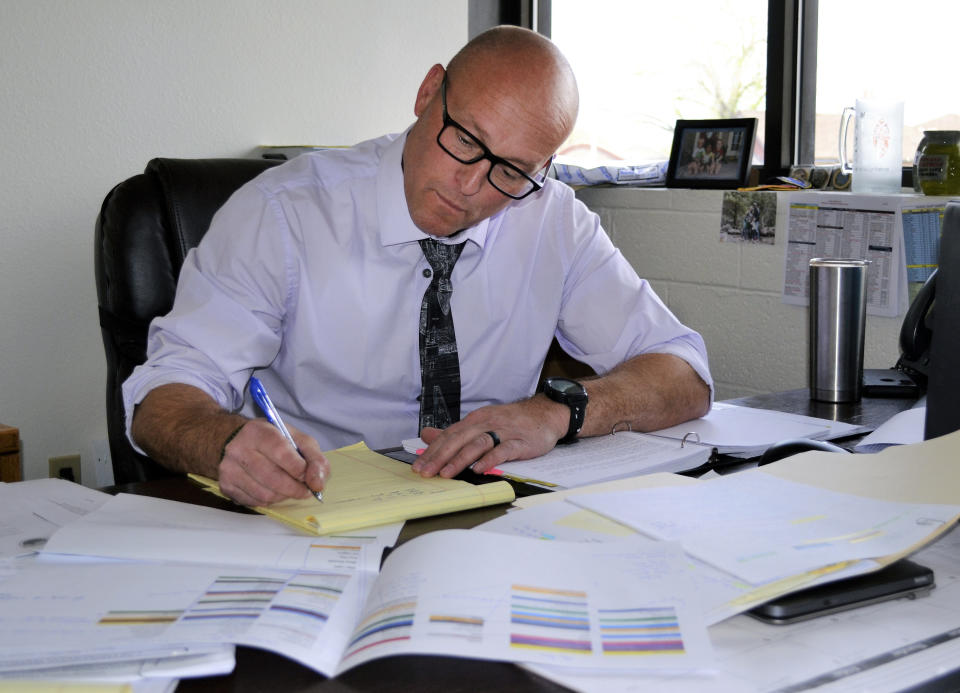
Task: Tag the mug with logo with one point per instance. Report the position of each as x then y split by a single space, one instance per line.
877 146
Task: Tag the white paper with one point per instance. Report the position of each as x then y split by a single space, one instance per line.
487 596
860 227
213 661
31 511
721 594
604 458
414 446
58 614
153 529
878 648
761 528
903 428
452 592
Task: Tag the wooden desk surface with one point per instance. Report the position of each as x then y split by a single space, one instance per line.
259 670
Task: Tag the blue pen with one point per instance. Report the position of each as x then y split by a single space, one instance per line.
262 399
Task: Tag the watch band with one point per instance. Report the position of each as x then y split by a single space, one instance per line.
576 401
577 412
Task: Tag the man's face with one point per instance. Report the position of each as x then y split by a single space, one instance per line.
444 195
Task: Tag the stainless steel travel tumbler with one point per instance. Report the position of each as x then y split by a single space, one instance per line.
838 307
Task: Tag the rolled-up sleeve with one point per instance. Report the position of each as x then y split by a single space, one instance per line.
609 314
228 313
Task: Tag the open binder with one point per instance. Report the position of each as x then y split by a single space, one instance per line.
620 454
691 447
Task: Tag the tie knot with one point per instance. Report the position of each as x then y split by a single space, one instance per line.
441 256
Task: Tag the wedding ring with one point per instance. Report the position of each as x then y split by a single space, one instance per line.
494 437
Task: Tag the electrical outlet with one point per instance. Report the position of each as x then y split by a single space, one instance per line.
65 467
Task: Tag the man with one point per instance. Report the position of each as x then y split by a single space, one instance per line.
328 277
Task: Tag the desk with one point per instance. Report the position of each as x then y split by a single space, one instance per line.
258 670
869 411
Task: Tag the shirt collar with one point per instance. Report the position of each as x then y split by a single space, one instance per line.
396 226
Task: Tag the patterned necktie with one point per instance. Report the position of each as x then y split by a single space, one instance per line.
439 363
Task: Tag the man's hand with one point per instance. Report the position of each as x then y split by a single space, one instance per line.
184 429
260 467
648 392
526 429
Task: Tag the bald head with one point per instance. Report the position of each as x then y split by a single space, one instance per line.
512 93
518 64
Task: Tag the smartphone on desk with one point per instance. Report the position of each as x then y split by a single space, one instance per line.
898 580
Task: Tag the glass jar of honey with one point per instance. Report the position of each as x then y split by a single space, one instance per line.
936 166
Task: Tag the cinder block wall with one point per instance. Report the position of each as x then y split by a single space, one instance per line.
729 292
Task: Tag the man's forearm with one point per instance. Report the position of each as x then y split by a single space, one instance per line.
183 428
648 392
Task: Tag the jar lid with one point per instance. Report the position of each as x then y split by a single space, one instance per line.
951 133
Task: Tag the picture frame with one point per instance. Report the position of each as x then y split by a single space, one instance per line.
713 153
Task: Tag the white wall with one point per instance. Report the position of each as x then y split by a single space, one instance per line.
729 292
93 89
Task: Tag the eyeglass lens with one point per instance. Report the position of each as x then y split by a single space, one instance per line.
461 145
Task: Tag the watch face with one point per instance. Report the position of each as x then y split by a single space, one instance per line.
565 386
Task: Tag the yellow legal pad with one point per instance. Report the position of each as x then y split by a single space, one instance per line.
366 488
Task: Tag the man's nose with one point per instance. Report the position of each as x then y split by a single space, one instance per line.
471 177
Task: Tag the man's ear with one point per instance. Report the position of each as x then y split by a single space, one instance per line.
429 88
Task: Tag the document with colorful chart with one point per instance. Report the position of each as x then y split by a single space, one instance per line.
618 606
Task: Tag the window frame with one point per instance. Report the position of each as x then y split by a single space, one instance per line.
791 62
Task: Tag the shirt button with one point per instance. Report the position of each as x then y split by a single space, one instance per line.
427 273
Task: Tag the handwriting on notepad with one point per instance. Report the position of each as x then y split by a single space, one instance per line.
386 496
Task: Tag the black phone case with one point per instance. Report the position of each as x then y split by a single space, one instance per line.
901 579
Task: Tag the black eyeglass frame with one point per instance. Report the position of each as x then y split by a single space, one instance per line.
485 154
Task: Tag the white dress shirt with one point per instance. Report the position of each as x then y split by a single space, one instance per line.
311 275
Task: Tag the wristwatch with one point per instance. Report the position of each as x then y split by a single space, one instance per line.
574 395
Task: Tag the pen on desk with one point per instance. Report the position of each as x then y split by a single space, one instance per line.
263 401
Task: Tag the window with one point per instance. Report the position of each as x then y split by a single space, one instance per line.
701 59
640 70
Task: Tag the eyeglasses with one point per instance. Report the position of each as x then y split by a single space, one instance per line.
466 148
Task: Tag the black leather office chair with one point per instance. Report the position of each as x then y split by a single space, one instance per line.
145 227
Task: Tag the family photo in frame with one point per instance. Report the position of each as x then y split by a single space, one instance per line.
711 153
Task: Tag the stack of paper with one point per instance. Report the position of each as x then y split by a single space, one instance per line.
897 645
764 532
31 512
517 599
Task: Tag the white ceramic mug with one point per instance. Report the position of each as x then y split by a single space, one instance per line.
877 146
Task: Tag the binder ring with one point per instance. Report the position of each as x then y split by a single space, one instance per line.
687 435
617 425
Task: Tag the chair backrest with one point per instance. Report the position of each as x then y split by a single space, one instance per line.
145 228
